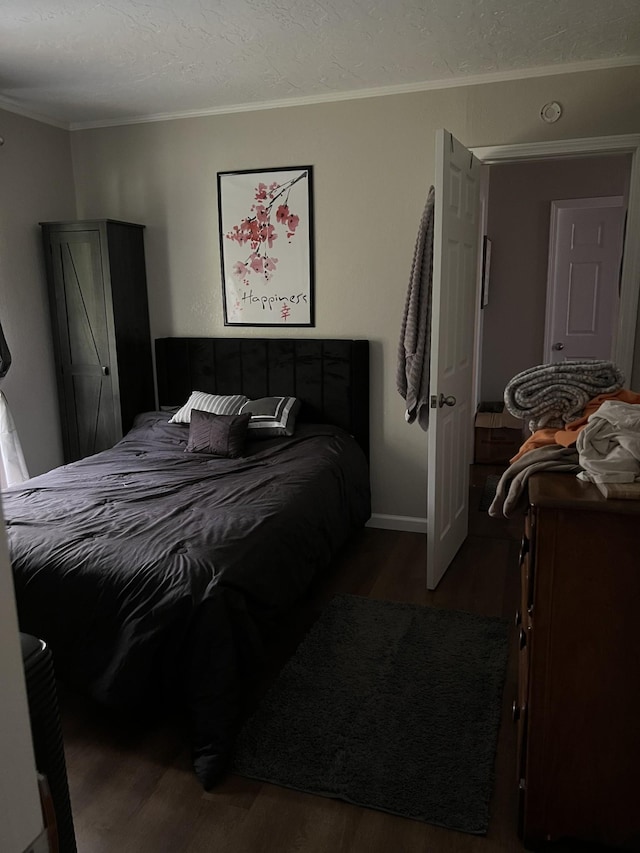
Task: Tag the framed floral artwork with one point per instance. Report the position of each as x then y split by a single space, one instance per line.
266 246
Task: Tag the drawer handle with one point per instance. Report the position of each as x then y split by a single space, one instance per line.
515 711
518 618
524 550
522 638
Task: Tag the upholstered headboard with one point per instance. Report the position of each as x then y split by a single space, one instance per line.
329 376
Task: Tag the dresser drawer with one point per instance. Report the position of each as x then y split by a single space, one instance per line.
523 625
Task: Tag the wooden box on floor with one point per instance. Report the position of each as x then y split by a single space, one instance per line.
497 435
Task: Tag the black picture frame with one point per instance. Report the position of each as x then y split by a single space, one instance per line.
265 223
486 271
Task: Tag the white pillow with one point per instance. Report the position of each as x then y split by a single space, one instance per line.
213 403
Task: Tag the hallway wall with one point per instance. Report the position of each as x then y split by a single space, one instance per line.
520 196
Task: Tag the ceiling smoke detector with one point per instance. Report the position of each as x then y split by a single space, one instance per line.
551 112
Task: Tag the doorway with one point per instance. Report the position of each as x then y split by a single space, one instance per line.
520 198
629 287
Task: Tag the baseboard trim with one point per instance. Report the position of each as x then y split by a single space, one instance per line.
407 523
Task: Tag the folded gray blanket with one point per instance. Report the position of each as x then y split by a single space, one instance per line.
552 395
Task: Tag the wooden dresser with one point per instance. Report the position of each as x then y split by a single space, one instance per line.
578 703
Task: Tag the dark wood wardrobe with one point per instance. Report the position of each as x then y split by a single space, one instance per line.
98 296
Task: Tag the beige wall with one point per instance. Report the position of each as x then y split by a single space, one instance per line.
36 184
373 162
520 196
20 811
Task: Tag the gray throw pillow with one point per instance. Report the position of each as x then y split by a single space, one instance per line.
219 435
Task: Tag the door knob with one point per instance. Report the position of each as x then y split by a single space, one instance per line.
559 346
446 401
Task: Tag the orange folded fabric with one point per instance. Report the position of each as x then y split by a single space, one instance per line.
567 436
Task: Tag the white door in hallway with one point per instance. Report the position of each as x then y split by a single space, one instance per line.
454 300
585 253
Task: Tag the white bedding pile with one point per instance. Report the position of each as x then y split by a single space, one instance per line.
609 445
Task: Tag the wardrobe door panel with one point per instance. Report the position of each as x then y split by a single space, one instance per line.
83 323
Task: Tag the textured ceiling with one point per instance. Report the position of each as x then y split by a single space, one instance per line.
85 61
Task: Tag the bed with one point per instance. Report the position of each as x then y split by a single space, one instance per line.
156 574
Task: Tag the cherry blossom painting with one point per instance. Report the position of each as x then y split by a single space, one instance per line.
266 246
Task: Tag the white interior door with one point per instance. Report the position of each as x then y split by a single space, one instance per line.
455 250
585 252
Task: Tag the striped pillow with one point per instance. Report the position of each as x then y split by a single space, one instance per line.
215 404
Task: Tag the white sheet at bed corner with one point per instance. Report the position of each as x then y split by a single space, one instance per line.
13 468
609 445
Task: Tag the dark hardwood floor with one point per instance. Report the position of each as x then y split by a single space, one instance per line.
136 792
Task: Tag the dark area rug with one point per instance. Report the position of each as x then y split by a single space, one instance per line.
387 705
488 492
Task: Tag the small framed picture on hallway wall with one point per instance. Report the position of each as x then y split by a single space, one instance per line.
265 221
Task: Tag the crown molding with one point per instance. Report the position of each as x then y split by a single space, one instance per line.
11 107
382 91
352 95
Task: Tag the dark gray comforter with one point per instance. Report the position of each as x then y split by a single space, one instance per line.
154 573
